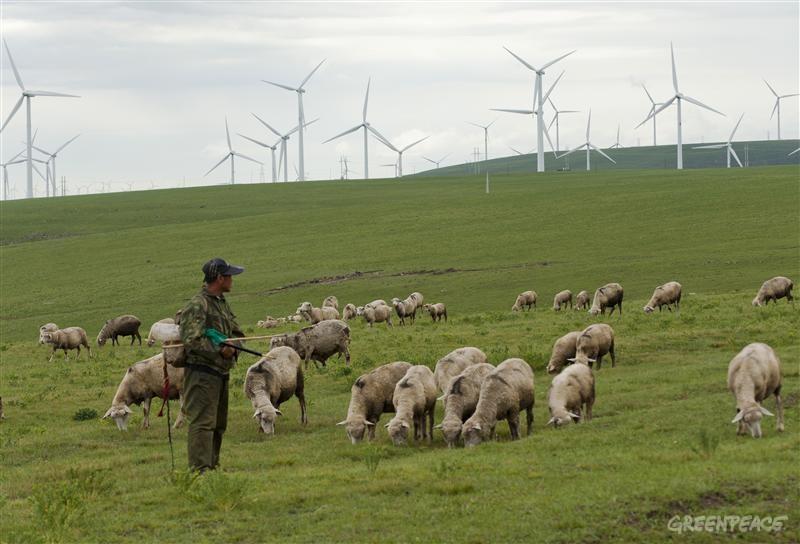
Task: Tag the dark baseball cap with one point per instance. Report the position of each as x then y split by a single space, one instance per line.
220 267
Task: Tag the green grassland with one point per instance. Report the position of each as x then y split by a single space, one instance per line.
661 443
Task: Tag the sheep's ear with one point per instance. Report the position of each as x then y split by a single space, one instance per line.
387 425
256 413
552 421
442 397
477 427
576 417
738 417
128 410
765 411
571 360
439 426
405 424
279 412
591 360
108 414
371 424
342 422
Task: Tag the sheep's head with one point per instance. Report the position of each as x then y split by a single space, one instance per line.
757 302
355 428
595 310
648 309
563 417
554 366
150 342
266 416
119 414
750 419
360 310
45 338
582 359
305 307
398 431
473 433
277 341
451 429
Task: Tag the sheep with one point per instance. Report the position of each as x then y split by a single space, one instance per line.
271 381
571 390
331 302
562 299
377 314
582 301
460 400
777 287
377 302
294 318
436 311
405 309
372 394
414 400
317 342
505 392
161 331
753 375
454 363
66 339
47 327
418 300
315 315
563 350
142 382
124 325
607 296
594 342
667 295
268 322
525 299
349 312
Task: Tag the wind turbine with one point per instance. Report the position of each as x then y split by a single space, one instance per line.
52 158
272 149
729 150
485 147
653 107
616 145
5 166
301 118
555 120
283 159
393 165
518 152
589 146
399 152
537 93
778 105
27 95
680 97
436 162
231 154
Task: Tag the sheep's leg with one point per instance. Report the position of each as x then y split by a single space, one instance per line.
146 412
529 418
139 336
133 337
371 431
50 360
303 415
430 424
347 355
513 425
620 307
66 354
779 406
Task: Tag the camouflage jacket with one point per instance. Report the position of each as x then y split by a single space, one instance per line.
207 311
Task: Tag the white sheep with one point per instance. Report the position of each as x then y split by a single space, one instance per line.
376 302
405 309
317 342
164 330
269 322
460 400
377 314
562 299
414 402
525 300
349 312
315 315
563 350
774 289
47 327
582 301
667 295
67 339
594 342
372 395
505 392
418 301
436 311
753 375
569 392
274 379
607 296
331 302
454 363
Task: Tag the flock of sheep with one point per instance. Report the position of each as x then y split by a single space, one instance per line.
476 395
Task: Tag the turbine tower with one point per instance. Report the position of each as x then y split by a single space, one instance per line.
680 97
589 146
486 147
778 105
556 121
282 158
616 145
27 95
537 93
301 118
52 158
231 154
729 147
5 166
399 152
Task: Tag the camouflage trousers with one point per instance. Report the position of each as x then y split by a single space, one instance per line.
206 406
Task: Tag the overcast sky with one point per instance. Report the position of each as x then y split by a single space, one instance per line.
157 79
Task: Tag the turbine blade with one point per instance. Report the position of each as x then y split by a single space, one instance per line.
765 81
793 152
588 124
245 157
50 93
554 120
552 62
490 124
38 171
56 152
574 149
215 166
475 124
42 150
775 107
648 94
528 66
553 86
525 112
712 146
381 138
348 131
262 144
429 160
698 103
295 129
515 150
13 66
413 144
13 111
547 135
366 99
735 156
601 152
734 128
279 85
443 158
674 73
789 95
228 135
311 74
656 111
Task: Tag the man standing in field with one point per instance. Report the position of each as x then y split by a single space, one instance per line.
205 386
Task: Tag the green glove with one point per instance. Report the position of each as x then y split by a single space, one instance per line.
215 336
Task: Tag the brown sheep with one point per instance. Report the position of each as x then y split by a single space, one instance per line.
124 325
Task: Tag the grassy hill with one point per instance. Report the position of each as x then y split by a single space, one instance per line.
661 443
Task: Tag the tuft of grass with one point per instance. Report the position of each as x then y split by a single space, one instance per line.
84 414
706 444
373 455
218 491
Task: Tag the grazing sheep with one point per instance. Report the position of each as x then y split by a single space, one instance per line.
607 296
317 342
418 301
47 327
525 299
66 339
777 287
161 331
331 302
562 299
124 325
315 315
377 302
460 400
571 390
294 318
271 381
594 342
372 395
143 382
667 295
377 314
268 322
405 309
454 363
414 400
582 301
505 392
753 375
349 312
563 350
436 311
